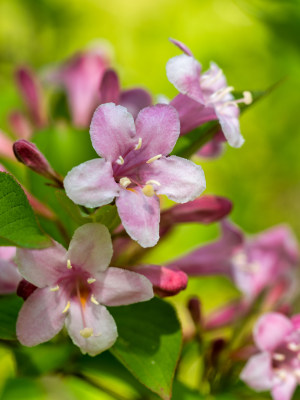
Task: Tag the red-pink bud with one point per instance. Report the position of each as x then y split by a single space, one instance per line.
194 307
28 154
165 281
25 289
32 95
110 87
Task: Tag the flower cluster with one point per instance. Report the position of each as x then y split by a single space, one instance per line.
112 208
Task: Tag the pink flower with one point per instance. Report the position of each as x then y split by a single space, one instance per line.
133 99
81 78
135 168
253 264
204 97
71 288
277 366
9 275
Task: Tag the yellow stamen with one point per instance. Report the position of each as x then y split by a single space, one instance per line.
278 356
152 182
91 280
153 159
120 160
93 300
54 289
124 182
139 145
86 332
247 97
66 308
148 190
69 266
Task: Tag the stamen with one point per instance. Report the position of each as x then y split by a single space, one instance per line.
93 300
91 280
281 374
148 190
120 160
152 181
207 80
247 97
278 356
66 308
219 94
69 266
86 332
54 289
153 159
139 145
293 346
124 182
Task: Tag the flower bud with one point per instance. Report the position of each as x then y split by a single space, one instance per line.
194 307
25 289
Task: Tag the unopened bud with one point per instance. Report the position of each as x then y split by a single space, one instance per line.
194 307
28 154
25 289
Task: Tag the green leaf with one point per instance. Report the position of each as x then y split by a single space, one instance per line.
9 308
149 343
23 388
18 224
108 216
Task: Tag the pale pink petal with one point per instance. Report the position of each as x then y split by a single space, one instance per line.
181 46
258 372
296 321
284 389
228 118
224 315
42 267
184 73
179 179
110 87
112 131
159 128
91 184
91 248
270 330
166 281
135 100
117 287
9 277
7 252
191 113
41 317
96 318
6 146
140 216
20 125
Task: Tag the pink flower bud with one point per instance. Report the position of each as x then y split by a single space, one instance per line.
25 289
20 125
194 307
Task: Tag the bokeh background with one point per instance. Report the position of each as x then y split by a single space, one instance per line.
256 42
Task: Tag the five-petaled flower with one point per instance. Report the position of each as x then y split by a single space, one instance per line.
204 97
72 286
135 168
277 366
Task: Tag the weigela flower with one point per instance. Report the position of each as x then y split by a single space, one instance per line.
204 97
135 168
277 366
9 274
72 288
253 264
81 78
133 99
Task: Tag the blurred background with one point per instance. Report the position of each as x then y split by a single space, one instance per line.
255 42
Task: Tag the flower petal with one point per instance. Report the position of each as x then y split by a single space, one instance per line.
271 330
112 131
110 87
229 121
91 184
41 317
191 113
9 277
117 286
7 252
42 267
135 100
181 46
91 248
97 318
159 128
184 73
180 180
284 390
140 216
258 372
